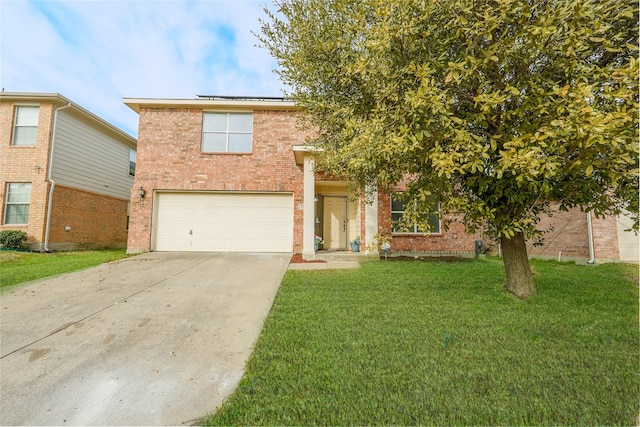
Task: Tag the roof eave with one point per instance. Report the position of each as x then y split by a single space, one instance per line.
136 104
59 101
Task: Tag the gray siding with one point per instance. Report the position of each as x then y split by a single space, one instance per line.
91 158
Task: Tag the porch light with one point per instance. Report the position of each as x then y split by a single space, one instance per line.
141 193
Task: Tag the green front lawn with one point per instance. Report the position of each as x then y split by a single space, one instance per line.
19 267
432 343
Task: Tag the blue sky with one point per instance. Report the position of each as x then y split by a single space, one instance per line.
96 52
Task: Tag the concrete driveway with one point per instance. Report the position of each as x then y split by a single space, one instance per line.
155 339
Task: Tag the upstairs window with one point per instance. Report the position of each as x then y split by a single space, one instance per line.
132 162
398 208
227 132
25 125
16 208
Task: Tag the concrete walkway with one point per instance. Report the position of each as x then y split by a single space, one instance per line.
332 260
156 339
329 265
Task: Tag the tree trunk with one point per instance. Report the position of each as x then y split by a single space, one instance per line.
516 265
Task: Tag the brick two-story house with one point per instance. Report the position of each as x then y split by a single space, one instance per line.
236 174
65 174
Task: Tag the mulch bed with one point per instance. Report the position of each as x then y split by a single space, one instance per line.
297 259
448 258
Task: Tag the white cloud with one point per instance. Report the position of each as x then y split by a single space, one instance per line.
97 52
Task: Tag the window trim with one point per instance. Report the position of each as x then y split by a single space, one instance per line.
7 203
226 132
415 225
16 109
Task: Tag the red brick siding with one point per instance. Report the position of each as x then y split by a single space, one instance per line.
26 164
605 238
568 234
169 158
569 237
453 241
95 220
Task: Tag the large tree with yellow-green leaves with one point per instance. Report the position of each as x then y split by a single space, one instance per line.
492 108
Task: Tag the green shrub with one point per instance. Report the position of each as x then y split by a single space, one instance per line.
13 239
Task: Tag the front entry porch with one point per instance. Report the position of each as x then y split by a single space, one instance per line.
332 212
336 218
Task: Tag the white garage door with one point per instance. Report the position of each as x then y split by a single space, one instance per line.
230 222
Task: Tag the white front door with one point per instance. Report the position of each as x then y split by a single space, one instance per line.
335 222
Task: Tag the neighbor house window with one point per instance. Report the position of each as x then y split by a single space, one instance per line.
227 132
398 207
16 208
25 125
132 162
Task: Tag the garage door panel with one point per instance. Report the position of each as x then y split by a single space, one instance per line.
238 222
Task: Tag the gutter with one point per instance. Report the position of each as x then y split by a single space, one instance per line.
592 256
50 178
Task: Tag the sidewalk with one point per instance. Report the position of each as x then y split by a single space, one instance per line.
329 265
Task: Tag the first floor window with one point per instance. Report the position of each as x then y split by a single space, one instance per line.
25 125
16 209
227 132
430 223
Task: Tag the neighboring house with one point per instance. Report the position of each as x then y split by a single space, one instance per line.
65 174
235 174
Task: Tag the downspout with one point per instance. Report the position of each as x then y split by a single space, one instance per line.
50 178
592 256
